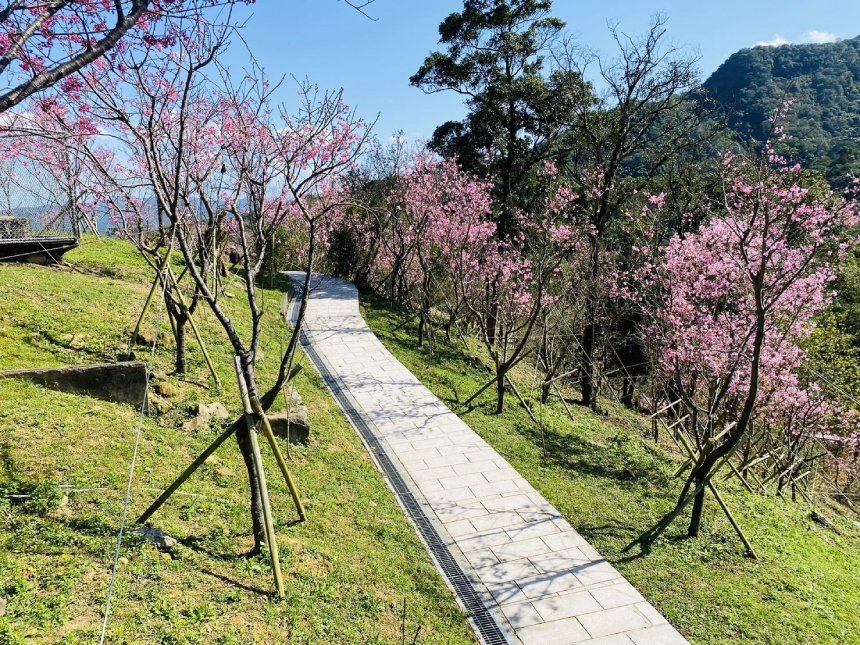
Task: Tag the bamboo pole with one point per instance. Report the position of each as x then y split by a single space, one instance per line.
271 538
187 472
270 436
194 329
148 301
558 393
494 379
750 551
563 402
664 408
520 397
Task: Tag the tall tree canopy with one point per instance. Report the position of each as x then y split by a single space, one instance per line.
495 57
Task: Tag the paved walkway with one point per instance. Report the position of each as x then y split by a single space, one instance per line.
540 579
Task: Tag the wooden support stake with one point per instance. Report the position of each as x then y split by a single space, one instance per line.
271 538
735 472
664 408
682 468
188 472
158 503
158 278
563 402
270 436
493 380
194 327
558 393
750 551
520 397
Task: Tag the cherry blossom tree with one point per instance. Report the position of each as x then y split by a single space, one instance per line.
43 43
175 129
731 303
525 270
442 205
45 158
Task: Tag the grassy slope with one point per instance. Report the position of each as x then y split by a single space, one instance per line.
612 484
348 569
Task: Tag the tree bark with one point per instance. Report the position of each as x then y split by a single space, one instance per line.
243 439
545 390
696 513
181 363
587 383
500 391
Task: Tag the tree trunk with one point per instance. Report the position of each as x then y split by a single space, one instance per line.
545 392
181 362
587 383
702 474
500 392
696 514
243 438
589 334
628 388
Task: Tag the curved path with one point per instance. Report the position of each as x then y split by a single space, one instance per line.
519 569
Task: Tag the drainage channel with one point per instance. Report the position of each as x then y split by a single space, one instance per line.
486 626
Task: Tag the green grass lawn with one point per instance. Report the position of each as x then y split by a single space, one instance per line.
348 569
612 484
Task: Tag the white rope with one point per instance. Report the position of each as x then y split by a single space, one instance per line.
138 434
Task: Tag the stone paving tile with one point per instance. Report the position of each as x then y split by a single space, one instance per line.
615 639
552 587
572 603
660 635
547 584
617 595
558 632
522 614
613 621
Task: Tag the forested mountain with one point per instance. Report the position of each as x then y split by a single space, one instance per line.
822 80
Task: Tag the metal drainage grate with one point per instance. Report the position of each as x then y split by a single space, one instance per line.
486 625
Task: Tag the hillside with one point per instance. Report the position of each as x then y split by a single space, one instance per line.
612 483
823 81
64 464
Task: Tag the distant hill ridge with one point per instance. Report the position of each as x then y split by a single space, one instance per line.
823 81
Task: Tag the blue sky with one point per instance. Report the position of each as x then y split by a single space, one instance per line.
335 47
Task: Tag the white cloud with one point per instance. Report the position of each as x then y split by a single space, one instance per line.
819 37
776 41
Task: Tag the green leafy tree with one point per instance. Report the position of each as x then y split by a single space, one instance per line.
496 59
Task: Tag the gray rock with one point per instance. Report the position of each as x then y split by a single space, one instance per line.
212 410
205 413
157 537
294 425
295 396
2 607
197 423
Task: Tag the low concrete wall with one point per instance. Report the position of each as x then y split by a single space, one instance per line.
119 382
